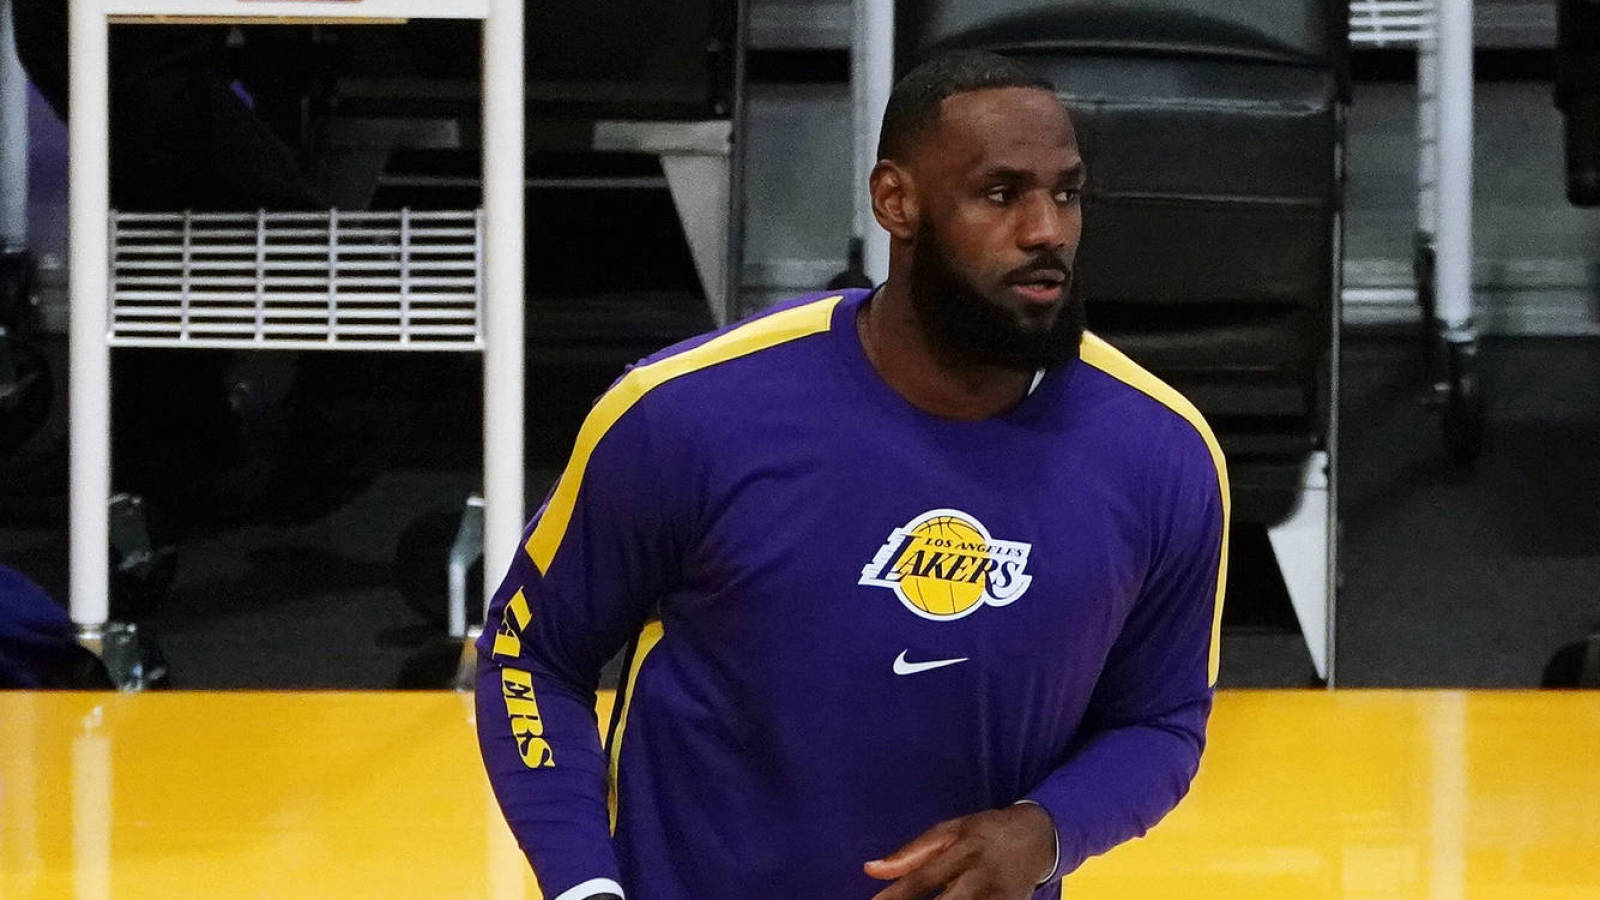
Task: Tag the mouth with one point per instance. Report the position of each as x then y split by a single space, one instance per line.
1040 286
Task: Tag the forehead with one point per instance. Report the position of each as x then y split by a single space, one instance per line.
1017 127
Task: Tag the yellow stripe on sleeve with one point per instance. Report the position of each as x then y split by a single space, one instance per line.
1108 359
755 336
648 639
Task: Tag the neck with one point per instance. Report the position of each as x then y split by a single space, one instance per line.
900 351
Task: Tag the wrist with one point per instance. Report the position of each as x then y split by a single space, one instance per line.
1051 842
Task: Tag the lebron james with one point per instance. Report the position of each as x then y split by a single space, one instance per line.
921 585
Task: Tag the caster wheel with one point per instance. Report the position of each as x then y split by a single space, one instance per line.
1463 410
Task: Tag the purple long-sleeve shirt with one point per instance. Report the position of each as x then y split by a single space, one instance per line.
850 619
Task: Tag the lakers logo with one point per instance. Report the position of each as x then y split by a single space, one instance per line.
943 565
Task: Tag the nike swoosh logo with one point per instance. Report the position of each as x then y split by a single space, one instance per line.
902 667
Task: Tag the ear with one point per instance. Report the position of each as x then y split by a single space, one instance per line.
894 199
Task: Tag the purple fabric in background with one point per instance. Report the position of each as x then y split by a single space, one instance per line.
36 637
47 178
47 208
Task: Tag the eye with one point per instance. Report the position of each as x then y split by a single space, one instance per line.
1069 195
1000 195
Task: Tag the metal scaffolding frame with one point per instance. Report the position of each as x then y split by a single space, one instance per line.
92 284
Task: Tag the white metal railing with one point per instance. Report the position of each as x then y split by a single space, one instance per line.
500 293
1384 23
399 280
1442 33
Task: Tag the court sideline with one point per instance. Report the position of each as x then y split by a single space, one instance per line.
1439 795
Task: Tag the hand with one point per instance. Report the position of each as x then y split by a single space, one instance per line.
1000 854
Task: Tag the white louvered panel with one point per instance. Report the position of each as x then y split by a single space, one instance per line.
1388 23
335 280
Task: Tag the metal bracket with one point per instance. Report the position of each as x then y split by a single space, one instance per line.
467 666
129 533
466 550
119 646
1304 545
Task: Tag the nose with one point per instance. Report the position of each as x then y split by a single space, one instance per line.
1045 224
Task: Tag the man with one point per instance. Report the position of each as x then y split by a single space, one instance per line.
931 577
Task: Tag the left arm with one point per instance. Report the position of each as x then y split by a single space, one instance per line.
1141 738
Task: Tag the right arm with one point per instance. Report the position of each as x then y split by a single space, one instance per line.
589 572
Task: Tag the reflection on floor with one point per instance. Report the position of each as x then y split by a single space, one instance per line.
1303 795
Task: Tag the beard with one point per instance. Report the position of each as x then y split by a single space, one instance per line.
964 327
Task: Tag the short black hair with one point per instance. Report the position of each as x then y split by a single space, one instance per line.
914 104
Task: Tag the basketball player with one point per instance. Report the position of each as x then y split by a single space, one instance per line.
922 584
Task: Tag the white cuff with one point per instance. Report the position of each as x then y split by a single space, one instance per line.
1054 834
592 888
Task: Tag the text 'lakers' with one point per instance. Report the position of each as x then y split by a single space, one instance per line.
516 686
944 565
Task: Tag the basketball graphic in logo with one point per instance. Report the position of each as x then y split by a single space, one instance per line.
925 586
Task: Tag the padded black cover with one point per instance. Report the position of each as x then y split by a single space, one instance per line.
1577 49
1307 32
1211 211
1578 96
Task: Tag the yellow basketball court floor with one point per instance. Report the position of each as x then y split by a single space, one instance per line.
1302 796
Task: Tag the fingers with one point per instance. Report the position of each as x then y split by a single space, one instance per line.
984 856
929 877
918 851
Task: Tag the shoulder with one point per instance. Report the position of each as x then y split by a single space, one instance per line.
1156 419
706 363
786 321
635 431
709 370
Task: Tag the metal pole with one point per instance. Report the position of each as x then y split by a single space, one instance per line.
13 139
88 176
738 158
871 80
1331 521
1455 166
503 200
1428 134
